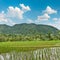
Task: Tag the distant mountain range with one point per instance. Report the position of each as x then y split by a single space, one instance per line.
25 29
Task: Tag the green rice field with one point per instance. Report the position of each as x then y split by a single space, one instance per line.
27 45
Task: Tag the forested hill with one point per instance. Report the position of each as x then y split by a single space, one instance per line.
27 29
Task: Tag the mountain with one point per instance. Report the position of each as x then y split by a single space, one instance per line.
25 29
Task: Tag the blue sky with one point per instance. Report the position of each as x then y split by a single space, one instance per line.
30 11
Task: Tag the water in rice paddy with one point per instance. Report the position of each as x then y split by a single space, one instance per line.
39 54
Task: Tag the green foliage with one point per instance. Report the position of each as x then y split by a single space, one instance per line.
17 37
24 32
28 29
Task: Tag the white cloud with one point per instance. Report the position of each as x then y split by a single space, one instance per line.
57 25
2 17
29 21
46 14
5 20
13 13
56 19
26 8
17 12
49 10
10 22
44 17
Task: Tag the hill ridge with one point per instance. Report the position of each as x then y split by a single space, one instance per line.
25 28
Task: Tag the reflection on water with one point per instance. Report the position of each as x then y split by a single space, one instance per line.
40 54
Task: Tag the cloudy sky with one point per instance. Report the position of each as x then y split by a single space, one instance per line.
30 11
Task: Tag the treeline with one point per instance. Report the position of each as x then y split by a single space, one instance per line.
20 37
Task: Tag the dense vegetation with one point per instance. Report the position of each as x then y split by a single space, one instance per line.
24 32
28 29
17 37
31 37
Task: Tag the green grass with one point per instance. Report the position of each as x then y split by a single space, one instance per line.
27 45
